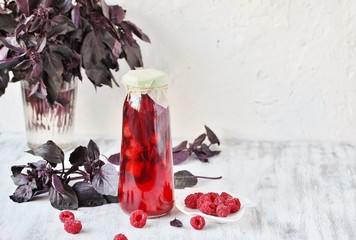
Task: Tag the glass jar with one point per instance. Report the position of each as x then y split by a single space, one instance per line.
45 122
146 175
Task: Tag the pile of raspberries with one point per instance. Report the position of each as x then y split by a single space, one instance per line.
213 204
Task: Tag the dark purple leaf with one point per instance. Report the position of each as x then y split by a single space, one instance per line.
41 45
49 151
137 31
180 147
11 43
176 223
22 194
75 14
66 200
179 157
114 159
184 179
106 181
211 136
37 22
57 184
87 195
20 179
11 62
201 156
27 6
17 169
4 80
105 9
117 14
79 156
3 52
25 64
93 150
7 23
111 199
63 6
54 68
206 150
132 54
37 69
60 25
199 140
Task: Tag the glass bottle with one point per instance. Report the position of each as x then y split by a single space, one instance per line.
146 177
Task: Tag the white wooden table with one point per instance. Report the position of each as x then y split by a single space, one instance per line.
302 191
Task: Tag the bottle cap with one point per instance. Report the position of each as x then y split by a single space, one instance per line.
144 79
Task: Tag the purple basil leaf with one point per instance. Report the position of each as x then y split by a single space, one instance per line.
106 181
137 31
117 14
111 199
60 25
63 6
4 80
25 64
41 45
17 169
207 152
7 23
105 9
180 147
34 25
20 179
54 68
199 140
11 43
132 54
212 136
75 14
37 69
49 151
93 150
11 62
3 52
22 194
176 223
57 184
184 179
26 6
87 195
179 157
62 201
114 159
79 156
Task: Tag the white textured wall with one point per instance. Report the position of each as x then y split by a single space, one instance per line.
252 69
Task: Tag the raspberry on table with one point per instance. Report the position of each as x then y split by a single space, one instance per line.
197 222
120 236
208 208
234 204
138 218
219 200
66 215
222 210
72 226
191 201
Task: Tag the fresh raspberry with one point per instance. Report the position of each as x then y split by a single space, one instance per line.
219 200
198 194
222 210
66 215
197 222
225 195
191 201
213 195
120 236
203 199
208 208
138 218
72 226
234 204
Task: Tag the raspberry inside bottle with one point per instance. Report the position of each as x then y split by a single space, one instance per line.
146 177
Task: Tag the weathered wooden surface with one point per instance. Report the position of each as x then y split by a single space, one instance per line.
302 191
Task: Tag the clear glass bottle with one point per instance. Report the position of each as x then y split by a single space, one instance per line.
146 174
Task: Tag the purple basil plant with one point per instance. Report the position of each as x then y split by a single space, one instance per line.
46 42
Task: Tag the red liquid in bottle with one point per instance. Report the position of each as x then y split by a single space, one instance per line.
146 178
